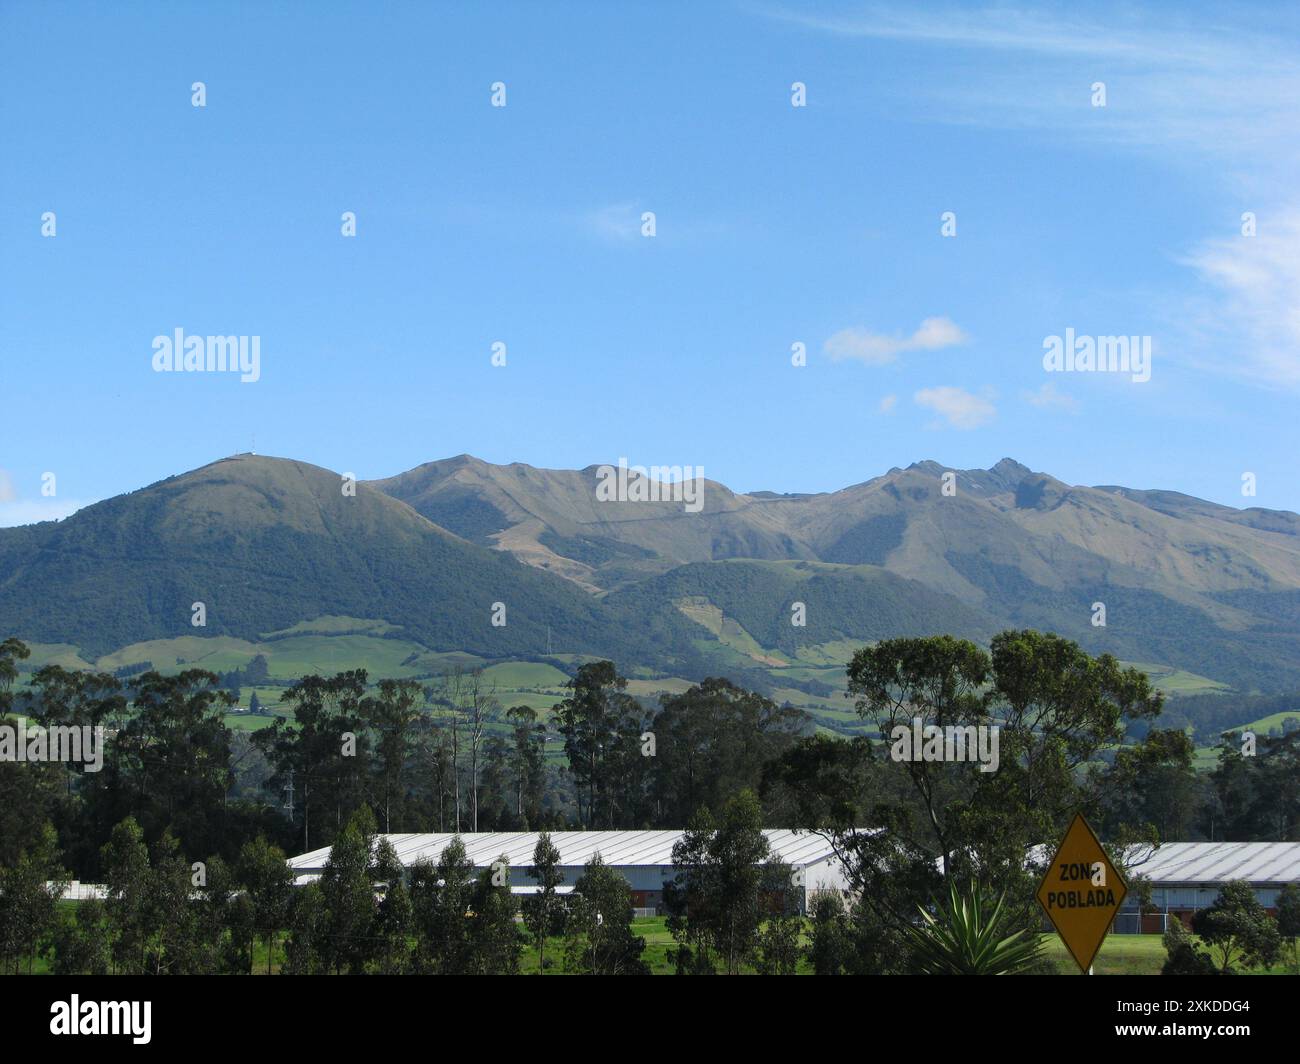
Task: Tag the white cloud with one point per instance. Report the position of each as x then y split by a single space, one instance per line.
1210 88
1255 312
887 404
617 223
960 408
16 511
878 350
1048 398
1214 97
29 511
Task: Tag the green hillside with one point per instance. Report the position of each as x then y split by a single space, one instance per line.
290 565
267 544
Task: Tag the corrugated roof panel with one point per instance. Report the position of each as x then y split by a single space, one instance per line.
618 848
1174 862
1219 862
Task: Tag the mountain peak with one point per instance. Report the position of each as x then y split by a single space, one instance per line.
1010 467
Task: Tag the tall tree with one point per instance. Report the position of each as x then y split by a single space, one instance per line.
29 891
266 876
939 680
1154 783
30 793
81 945
829 946
527 764
12 651
347 890
728 883
441 895
451 692
307 948
601 725
323 756
481 705
543 911
1237 930
392 714
126 881
173 757
494 936
712 741
600 939
901 823
169 917
394 918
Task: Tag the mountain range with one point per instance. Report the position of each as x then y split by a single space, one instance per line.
443 551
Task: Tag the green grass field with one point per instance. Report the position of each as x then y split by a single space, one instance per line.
1266 724
1206 758
332 644
1119 954
516 675
1175 681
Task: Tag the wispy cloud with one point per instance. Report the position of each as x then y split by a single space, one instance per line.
618 223
959 408
1218 98
1049 397
1213 88
16 511
1253 313
876 349
888 403
29 511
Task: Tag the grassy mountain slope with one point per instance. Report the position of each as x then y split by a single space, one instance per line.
266 543
269 545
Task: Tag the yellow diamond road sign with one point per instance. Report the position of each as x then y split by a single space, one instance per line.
1081 892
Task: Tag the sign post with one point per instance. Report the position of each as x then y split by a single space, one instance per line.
1081 893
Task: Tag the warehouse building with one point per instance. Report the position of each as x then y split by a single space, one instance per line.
1186 876
643 858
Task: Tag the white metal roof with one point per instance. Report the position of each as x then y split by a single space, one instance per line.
620 849
1218 862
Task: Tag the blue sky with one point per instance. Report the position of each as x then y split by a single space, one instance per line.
775 225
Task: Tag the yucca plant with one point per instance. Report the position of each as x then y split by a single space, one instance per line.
965 938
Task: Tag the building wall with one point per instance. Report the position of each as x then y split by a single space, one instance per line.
826 874
1184 899
647 882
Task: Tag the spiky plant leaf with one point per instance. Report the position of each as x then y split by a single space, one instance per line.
965 938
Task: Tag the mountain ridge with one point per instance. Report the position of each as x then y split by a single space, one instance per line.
269 542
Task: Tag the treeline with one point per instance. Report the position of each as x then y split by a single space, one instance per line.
367 914
162 914
255 672
1209 716
441 757
450 758
729 912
